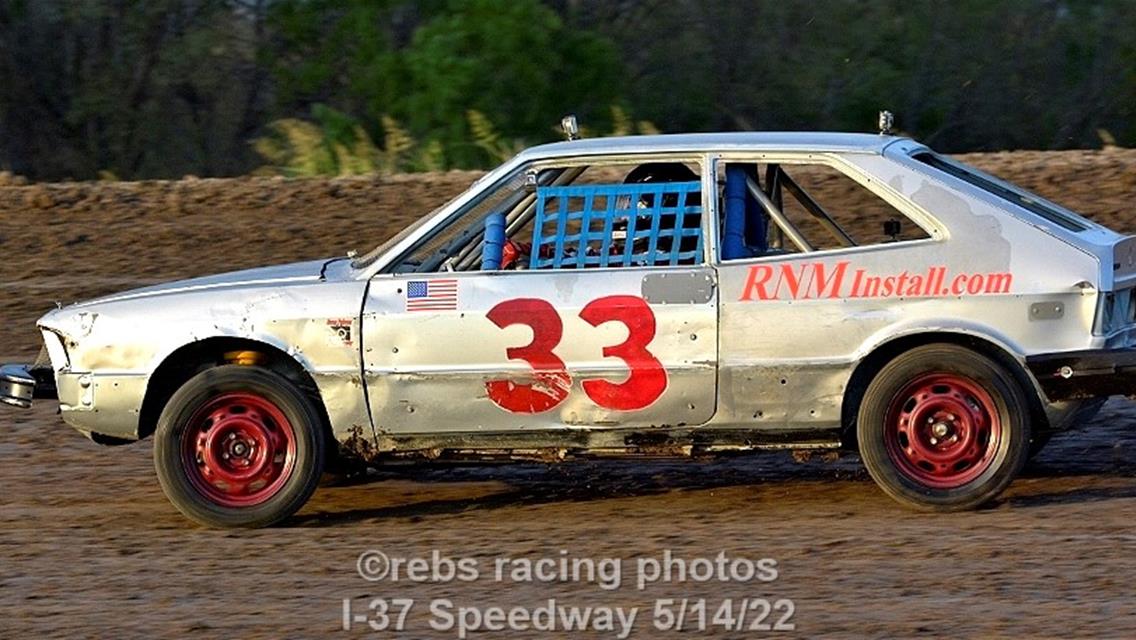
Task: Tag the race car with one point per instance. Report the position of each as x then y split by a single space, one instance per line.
673 295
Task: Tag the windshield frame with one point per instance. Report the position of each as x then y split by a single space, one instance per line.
392 249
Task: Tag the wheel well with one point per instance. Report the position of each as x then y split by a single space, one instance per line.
191 359
867 369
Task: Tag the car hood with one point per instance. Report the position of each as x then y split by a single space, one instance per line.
309 271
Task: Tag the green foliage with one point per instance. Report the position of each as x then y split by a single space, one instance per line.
336 52
982 75
294 148
621 125
516 61
397 143
160 88
336 145
333 145
485 136
130 88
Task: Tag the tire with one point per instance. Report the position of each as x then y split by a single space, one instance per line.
239 446
943 428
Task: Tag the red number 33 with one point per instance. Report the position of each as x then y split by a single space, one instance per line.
646 381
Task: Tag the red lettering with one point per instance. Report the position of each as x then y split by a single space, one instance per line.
999 282
551 381
792 281
915 286
828 287
817 280
856 282
647 379
756 279
974 286
958 285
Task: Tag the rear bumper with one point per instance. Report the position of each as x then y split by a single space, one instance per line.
1077 375
22 383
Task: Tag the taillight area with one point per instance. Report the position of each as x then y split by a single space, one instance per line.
1117 311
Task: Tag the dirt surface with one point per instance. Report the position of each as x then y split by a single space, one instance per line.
89 546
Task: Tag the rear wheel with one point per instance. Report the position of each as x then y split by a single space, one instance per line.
239 446
943 428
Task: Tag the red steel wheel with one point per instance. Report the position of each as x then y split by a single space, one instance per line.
943 427
943 430
240 449
239 446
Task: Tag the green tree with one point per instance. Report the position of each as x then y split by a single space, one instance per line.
515 62
136 88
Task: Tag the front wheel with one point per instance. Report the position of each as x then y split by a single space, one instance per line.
943 428
239 446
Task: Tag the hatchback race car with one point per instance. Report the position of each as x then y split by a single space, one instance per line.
675 295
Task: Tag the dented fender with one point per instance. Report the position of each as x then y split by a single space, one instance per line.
314 321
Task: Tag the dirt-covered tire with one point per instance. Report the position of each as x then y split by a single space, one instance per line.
239 446
943 428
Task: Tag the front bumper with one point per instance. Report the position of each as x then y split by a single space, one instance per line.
103 404
1077 375
21 383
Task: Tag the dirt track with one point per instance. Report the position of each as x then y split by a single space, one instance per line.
90 547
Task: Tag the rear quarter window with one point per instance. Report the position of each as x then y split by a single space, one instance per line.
1020 197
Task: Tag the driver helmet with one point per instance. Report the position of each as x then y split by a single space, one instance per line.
650 173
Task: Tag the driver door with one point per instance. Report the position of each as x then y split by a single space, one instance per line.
630 346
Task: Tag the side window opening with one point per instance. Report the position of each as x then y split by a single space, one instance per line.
457 245
652 218
599 216
770 209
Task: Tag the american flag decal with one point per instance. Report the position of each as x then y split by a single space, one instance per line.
432 295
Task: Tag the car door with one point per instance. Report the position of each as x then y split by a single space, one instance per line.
550 347
816 261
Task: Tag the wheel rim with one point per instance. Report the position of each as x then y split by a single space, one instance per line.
943 430
239 449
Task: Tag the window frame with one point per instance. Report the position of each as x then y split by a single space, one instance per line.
700 160
915 215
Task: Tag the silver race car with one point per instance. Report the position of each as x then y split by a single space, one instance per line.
679 295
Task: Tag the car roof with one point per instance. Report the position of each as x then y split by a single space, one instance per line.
740 140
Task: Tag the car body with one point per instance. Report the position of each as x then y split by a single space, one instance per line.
691 316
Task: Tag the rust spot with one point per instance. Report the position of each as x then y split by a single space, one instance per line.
805 455
358 445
